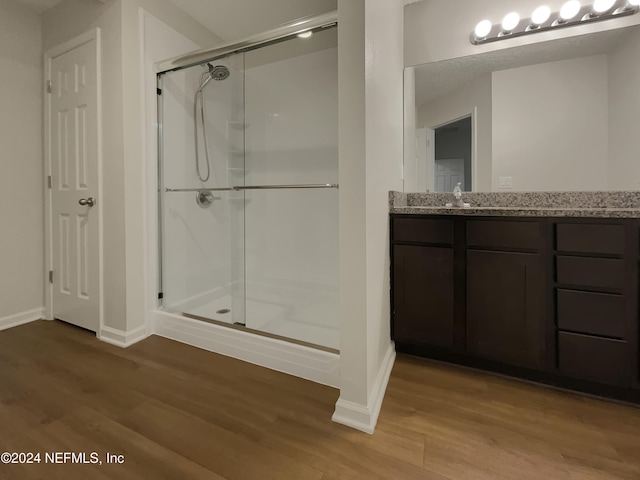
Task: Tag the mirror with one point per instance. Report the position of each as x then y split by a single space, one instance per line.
562 115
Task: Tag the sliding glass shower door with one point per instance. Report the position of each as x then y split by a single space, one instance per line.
202 216
249 211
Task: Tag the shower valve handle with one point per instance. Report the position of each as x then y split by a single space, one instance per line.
87 201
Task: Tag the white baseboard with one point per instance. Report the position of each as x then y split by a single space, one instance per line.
123 339
365 417
298 360
21 318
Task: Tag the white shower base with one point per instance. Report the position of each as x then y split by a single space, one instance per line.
302 324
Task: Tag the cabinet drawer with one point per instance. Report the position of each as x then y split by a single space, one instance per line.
503 234
593 313
592 358
590 272
424 230
607 239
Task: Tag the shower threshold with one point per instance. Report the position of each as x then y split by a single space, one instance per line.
243 328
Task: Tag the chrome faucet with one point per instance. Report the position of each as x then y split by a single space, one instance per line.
457 193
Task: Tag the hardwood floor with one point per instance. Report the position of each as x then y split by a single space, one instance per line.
176 412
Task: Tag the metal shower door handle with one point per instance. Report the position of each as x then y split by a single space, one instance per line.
87 201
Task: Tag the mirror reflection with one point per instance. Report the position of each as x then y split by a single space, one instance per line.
553 116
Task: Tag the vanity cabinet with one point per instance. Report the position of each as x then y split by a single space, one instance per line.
423 294
505 294
595 285
553 300
423 273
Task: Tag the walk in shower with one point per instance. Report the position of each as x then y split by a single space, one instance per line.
248 187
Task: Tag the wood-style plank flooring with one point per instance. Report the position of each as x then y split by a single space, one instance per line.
177 412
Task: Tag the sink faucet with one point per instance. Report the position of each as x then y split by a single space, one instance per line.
457 193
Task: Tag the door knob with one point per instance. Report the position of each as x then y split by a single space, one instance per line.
87 201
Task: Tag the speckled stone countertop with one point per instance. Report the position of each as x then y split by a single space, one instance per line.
521 204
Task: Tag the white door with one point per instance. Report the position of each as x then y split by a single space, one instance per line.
73 144
448 173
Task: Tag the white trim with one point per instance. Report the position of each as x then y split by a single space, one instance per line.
95 36
365 417
21 318
298 360
123 339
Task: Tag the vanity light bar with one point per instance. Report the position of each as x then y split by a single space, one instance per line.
572 13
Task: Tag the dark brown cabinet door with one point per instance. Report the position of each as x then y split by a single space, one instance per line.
505 295
423 295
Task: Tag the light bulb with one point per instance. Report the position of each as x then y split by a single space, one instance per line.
633 3
601 6
483 29
305 34
510 21
570 10
541 15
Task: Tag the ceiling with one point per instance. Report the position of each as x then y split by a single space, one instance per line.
39 6
233 19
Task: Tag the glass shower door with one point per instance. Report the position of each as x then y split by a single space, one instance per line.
291 228
248 190
201 215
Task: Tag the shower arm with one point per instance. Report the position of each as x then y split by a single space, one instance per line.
253 187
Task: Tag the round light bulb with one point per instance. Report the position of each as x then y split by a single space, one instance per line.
510 21
570 10
483 29
541 15
305 34
633 3
601 6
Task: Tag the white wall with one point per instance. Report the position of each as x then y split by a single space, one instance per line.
371 135
440 29
624 110
21 184
475 95
384 27
550 125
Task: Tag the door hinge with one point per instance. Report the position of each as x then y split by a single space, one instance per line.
50 276
159 91
160 295
49 87
49 182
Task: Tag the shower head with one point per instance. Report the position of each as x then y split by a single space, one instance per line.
219 72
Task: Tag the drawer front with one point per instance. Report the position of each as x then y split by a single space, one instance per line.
607 239
423 230
503 234
592 358
590 272
593 313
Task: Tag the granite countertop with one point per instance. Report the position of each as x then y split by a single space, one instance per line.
521 211
521 204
